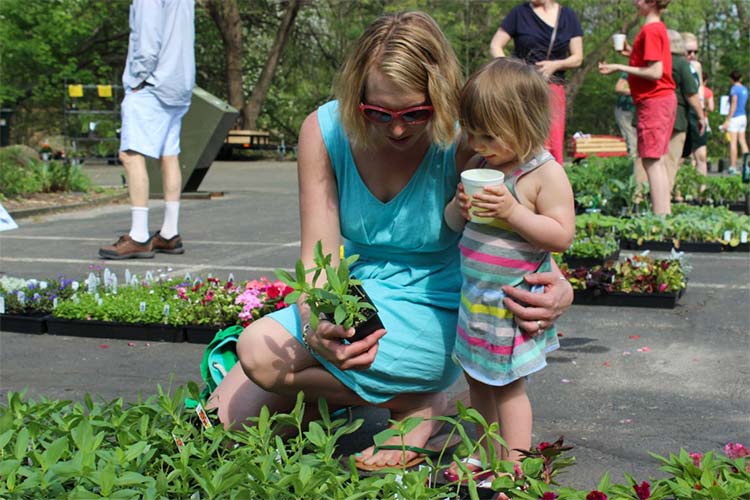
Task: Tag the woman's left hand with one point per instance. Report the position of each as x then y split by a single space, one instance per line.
541 309
548 68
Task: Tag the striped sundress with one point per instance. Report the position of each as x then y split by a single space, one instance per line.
489 345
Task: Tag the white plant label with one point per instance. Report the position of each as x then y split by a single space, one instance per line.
142 307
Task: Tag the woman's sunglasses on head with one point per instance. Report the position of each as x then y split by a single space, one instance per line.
416 115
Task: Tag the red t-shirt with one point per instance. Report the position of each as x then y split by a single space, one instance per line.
651 44
707 93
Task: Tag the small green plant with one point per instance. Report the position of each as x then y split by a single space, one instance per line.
338 298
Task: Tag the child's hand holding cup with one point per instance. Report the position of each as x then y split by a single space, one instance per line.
475 180
618 39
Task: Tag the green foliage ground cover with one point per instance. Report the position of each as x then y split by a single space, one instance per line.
153 449
22 173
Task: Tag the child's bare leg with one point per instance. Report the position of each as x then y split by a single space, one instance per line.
514 410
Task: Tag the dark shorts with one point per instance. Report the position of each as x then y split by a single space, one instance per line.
693 140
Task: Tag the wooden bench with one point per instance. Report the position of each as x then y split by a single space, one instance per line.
249 139
597 145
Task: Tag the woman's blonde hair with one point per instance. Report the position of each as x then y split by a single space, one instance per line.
676 43
509 100
689 37
411 50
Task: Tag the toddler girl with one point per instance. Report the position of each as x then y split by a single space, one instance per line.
504 113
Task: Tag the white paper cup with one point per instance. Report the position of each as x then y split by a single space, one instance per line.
619 41
475 180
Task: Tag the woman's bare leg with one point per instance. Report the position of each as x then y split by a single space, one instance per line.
274 367
426 406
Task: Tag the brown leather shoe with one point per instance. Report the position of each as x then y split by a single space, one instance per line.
127 248
172 245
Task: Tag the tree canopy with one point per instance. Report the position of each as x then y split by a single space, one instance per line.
46 43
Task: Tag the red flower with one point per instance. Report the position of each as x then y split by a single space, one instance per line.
596 495
543 445
643 491
548 495
272 292
697 457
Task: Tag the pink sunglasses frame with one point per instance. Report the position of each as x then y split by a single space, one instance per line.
396 114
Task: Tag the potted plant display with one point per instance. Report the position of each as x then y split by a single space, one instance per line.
638 281
210 306
25 304
340 299
591 250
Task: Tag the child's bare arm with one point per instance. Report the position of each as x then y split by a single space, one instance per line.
456 211
552 227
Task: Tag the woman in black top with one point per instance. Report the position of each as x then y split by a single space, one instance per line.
548 35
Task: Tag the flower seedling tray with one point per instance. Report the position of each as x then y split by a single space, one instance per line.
742 247
112 330
575 262
201 334
24 323
622 299
666 246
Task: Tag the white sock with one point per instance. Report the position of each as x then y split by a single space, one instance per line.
171 216
139 224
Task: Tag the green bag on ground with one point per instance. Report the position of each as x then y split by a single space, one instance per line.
218 358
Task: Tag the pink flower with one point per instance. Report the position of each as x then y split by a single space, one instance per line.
697 457
643 491
596 495
736 450
543 445
182 293
662 288
249 298
209 295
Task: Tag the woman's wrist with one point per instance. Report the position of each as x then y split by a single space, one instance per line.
306 333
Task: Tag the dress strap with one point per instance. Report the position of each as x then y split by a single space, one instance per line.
535 162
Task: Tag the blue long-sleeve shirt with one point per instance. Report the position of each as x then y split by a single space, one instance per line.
161 49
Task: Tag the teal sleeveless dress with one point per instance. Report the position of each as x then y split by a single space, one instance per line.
409 265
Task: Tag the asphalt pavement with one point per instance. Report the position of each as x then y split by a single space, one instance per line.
625 381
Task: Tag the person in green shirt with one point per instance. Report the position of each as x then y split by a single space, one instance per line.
687 96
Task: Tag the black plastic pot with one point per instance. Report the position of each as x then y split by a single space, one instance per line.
23 323
575 262
622 299
666 246
112 330
372 321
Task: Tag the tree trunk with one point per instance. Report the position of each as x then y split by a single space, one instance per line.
591 61
251 110
226 15
744 23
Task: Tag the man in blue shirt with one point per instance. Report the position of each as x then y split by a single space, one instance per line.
159 78
736 122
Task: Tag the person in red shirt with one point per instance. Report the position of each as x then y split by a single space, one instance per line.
653 91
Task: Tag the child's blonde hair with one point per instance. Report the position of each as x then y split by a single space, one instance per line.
508 100
411 50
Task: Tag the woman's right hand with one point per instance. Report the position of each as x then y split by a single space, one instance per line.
327 341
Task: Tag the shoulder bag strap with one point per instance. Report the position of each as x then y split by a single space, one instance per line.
554 31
